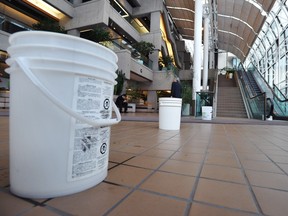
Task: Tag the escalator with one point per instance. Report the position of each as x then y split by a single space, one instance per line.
261 100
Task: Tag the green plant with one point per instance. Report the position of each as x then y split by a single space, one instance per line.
97 35
48 25
166 61
186 93
228 70
134 93
120 82
144 48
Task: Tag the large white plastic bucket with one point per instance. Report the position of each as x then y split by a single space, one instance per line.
206 112
60 115
170 113
67 54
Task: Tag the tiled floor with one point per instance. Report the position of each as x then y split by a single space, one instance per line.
203 169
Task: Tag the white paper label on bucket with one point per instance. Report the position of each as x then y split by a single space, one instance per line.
89 155
89 146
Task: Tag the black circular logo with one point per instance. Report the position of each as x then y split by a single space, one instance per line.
106 104
103 148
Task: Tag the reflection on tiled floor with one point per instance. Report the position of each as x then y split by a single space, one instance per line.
202 169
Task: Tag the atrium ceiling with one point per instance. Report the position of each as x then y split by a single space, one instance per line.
235 24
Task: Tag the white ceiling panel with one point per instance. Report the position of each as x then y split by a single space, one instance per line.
237 18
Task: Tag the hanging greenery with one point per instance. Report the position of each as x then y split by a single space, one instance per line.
118 88
144 48
97 35
166 61
48 25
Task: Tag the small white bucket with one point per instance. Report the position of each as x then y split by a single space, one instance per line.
206 112
60 115
170 113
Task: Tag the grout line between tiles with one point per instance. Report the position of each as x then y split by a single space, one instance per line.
197 178
143 180
259 209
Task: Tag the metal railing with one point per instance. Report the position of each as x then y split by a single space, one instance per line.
255 103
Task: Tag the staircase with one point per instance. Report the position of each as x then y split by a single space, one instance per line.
229 99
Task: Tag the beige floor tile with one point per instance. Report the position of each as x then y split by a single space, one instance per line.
192 149
181 167
284 167
224 173
95 201
171 147
145 162
186 156
279 159
111 165
268 180
221 153
163 193
43 211
206 210
127 175
169 184
252 156
12 205
160 153
220 146
272 202
145 143
222 160
225 194
119 157
275 153
261 166
246 148
132 149
146 204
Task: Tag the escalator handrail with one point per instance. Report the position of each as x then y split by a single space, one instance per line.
268 86
285 100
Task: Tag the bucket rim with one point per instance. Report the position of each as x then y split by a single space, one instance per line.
40 34
14 49
170 99
113 81
11 60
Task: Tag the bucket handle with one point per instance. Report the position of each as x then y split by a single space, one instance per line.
49 95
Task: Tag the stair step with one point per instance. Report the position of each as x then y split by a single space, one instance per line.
229 99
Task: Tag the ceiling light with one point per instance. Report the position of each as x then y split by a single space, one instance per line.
46 8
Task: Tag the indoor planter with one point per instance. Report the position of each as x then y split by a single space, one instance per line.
144 48
229 72
186 98
166 61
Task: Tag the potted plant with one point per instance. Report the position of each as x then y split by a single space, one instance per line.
229 72
99 35
186 98
144 48
166 61
49 25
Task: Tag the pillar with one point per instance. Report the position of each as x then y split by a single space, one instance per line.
197 55
206 48
157 39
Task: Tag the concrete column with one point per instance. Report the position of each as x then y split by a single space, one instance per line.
156 32
206 54
197 47
152 99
